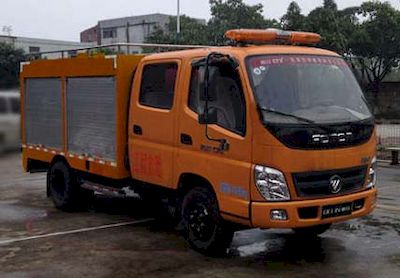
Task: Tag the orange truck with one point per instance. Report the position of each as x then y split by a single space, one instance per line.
267 132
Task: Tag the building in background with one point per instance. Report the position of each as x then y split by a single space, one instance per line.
134 29
91 35
35 45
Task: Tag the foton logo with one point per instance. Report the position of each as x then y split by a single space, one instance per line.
331 138
335 184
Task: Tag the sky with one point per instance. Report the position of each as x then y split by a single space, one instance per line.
65 19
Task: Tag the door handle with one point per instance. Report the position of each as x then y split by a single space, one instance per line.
137 130
186 139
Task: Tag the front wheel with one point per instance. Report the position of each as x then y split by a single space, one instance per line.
204 229
312 231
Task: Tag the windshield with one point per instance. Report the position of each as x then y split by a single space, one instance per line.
321 89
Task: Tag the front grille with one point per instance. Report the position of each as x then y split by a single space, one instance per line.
317 184
328 136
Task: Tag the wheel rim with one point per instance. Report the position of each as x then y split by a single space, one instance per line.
200 221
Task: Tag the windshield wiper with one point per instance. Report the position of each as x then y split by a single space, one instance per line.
311 122
287 115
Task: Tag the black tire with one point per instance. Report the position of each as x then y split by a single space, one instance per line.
64 189
204 229
312 231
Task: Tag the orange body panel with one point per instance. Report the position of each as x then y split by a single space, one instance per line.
158 157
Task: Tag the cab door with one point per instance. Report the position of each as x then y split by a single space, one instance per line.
229 170
152 122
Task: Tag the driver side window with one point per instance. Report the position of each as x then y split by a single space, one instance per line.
225 84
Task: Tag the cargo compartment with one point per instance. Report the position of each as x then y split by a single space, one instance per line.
77 108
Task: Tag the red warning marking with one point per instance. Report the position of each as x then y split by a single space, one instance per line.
147 164
297 60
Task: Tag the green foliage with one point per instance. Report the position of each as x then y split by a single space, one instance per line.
330 5
192 32
232 14
225 15
332 25
293 19
375 42
9 65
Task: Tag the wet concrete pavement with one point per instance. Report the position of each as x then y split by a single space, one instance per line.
367 247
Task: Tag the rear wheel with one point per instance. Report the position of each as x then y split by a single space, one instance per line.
312 231
64 189
204 229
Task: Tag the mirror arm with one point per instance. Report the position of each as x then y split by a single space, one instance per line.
223 143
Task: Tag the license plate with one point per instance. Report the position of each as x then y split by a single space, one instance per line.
337 210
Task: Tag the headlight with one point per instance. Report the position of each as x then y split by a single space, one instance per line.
271 184
372 174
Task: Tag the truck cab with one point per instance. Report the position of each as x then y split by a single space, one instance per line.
265 135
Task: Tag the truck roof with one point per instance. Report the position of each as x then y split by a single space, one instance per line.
243 51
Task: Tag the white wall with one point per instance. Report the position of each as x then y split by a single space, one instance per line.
44 45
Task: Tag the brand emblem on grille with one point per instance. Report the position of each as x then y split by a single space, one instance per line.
335 184
341 137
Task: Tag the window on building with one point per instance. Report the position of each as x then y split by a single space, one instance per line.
109 33
15 105
225 84
158 85
34 49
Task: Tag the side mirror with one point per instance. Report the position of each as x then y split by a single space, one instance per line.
212 94
208 117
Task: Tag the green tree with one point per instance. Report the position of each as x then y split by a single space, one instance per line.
232 14
330 4
333 25
293 19
192 32
9 65
375 43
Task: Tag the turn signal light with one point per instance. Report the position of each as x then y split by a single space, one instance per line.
272 35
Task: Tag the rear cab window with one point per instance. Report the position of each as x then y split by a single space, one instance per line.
158 85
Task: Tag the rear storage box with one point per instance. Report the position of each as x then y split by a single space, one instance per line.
43 113
77 108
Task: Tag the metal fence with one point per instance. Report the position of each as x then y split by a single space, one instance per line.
388 134
116 48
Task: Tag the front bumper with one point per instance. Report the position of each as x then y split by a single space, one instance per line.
260 211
